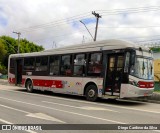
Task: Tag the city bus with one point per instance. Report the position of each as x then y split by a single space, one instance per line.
113 69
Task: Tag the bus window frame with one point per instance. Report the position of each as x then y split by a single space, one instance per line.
33 63
87 64
85 57
71 65
40 63
59 57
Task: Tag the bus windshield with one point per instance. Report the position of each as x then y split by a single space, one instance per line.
143 68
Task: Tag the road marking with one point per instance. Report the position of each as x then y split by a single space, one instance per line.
84 107
35 115
156 131
14 109
67 100
94 103
89 116
44 117
7 122
96 108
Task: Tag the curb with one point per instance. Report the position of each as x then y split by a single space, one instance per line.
146 100
4 82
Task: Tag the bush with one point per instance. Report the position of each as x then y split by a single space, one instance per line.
3 70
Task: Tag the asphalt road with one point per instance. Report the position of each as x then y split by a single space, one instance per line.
20 107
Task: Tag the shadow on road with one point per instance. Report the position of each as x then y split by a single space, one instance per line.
122 102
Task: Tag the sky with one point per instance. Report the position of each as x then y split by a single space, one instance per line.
56 23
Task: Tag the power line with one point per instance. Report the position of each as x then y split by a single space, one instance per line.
126 38
77 17
129 27
56 22
66 34
130 9
8 43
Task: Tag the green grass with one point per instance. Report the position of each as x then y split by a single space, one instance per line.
157 91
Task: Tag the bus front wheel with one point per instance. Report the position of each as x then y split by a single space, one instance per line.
29 86
91 93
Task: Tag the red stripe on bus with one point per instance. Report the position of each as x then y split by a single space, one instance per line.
12 80
48 83
23 81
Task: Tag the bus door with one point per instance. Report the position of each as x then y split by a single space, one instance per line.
114 74
18 71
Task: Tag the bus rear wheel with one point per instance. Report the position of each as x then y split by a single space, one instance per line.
91 93
29 86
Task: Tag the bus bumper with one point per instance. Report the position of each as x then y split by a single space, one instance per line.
129 91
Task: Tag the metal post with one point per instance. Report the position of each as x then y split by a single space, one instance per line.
97 18
18 33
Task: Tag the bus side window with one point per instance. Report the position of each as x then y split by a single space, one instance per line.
66 65
95 64
79 64
29 64
54 65
41 63
12 66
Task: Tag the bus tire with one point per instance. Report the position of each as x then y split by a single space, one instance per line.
91 93
29 86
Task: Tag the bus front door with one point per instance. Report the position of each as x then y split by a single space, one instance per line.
114 74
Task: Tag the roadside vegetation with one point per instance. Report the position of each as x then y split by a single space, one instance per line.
155 49
157 91
9 45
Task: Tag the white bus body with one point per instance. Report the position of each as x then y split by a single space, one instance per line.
105 69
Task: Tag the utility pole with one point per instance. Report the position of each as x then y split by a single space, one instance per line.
18 33
97 17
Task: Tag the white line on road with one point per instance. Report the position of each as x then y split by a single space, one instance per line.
79 102
35 115
157 131
14 109
89 116
87 108
4 121
94 103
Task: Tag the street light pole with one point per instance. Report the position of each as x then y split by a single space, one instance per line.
18 33
87 29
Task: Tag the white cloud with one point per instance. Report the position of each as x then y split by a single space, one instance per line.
22 14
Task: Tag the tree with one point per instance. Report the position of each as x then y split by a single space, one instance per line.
9 45
154 49
2 51
2 56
